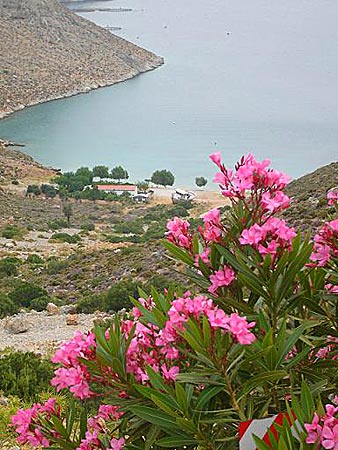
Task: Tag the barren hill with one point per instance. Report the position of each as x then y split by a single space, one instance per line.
309 205
48 52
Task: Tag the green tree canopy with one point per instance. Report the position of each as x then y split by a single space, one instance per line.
119 173
163 177
201 181
101 171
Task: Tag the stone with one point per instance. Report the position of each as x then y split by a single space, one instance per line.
15 448
3 401
72 319
52 309
16 325
68 309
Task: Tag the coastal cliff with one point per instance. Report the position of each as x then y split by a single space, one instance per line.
48 52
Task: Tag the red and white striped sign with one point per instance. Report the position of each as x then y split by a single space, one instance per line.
260 428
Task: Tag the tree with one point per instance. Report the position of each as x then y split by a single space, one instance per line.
163 177
67 211
85 172
119 173
33 189
48 190
200 181
101 171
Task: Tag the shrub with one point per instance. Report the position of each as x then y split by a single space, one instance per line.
118 296
56 266
40 303
93 303
25 293
88 226
12 232
8 268
57 224
65 237
132 227
34 259
7 306
25 375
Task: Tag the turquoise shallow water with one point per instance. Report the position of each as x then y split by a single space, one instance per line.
240 75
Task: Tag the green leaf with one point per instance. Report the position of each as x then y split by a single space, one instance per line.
155 417
173 441
262 379
178 253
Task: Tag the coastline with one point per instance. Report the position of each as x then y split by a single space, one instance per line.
82 89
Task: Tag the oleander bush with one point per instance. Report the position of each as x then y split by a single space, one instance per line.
183 370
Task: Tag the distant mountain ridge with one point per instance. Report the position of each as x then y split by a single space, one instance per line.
48 52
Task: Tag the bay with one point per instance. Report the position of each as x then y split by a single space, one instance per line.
240 76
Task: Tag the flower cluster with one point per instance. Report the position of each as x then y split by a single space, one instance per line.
212 229
269 238
332 197
178 232
27 423
159 348
326 243
222 277
324 430
186 307
74 374
97 425
254 176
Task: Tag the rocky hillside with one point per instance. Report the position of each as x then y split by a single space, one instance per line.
48 52
309 206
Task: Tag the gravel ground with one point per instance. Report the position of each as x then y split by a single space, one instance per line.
45 333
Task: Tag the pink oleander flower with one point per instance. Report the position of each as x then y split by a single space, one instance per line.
171 374
178 232
204 256
117 444
275 202
332 197
330 437
222 277
324 430
269 238
253 182
27 423
313 430
326 243
212 230
216 158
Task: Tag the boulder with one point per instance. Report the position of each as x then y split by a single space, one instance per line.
52 309
68 309
72 319
16 325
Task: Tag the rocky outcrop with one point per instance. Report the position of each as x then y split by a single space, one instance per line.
48 52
